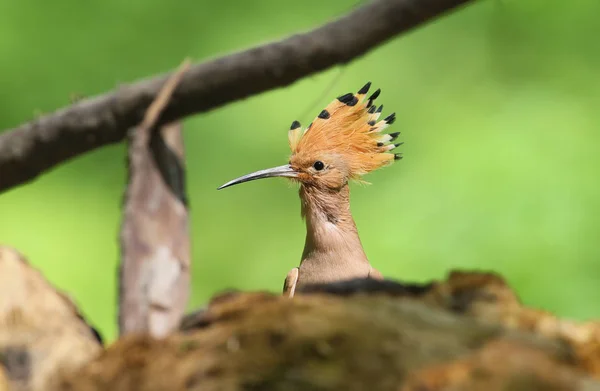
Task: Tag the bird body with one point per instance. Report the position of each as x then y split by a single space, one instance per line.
332 249
343 143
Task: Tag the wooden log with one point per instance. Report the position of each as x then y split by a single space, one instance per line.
324 341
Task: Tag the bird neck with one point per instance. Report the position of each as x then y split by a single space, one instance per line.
331 233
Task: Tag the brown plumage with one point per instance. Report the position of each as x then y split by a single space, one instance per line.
343 143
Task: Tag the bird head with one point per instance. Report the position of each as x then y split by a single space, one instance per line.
344 142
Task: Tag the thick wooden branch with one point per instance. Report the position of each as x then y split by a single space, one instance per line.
34 147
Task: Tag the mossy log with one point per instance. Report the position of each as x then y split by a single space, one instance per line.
469 332
323 341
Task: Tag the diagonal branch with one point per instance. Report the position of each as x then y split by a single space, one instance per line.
34 147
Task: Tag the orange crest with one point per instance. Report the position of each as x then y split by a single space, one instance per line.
349 127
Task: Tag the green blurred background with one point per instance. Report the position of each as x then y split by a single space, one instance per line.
497 104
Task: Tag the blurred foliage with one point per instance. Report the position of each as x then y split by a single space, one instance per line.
497 104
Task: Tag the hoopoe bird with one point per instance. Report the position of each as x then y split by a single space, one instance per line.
343 143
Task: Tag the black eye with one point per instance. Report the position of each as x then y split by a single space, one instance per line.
319 165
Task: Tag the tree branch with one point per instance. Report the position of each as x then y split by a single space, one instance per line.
34 147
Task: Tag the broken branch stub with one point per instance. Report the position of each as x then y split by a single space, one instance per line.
155 263
42 333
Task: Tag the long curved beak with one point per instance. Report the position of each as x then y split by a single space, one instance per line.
281 171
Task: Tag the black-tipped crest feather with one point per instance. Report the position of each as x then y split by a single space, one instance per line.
365 89
346 98
324 114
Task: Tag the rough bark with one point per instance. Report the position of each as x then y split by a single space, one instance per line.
37 146
155 244
487 298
